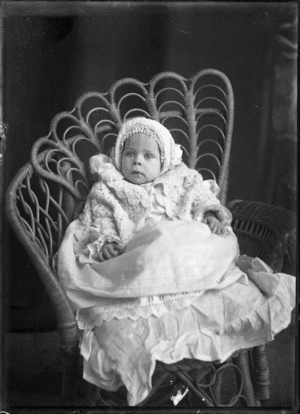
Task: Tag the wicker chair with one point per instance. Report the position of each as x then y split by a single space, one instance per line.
49 191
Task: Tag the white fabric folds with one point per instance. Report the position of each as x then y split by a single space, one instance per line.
209 328
160 259
178 291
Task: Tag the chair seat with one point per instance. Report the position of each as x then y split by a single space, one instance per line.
195 383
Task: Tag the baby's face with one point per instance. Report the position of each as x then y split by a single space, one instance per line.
140 162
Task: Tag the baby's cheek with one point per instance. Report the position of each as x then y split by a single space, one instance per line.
124 167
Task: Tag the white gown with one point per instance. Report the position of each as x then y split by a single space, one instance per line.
178 291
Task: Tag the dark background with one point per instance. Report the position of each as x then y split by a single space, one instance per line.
54 52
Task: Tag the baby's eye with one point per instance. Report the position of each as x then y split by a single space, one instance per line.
149 155
129 154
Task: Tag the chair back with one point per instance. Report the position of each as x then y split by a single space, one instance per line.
49 191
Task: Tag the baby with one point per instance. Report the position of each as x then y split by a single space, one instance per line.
152 268
141 164
144 183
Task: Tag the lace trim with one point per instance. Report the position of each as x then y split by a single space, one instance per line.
89 318
181 188
133 193
277 309
178 188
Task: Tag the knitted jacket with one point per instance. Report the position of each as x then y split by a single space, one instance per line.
117 209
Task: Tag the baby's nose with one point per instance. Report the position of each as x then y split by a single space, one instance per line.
138 160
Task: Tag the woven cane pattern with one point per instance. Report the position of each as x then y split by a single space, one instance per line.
198 112
263 230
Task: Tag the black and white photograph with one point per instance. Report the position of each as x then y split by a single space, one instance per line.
148 202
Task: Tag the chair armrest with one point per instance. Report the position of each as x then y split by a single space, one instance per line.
266 231
18 202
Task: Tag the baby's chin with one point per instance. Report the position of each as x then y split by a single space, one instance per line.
137 178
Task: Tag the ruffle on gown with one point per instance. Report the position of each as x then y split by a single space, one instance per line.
212 327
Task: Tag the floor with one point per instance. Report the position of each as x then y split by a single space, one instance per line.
33 371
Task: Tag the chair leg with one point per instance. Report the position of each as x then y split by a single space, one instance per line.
91 394
70 360
260 373
242 361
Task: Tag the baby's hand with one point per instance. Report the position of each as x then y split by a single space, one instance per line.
109 251
213 223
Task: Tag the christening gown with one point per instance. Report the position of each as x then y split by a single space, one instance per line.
177 291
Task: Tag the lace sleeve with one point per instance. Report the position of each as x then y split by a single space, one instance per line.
97 226
206 199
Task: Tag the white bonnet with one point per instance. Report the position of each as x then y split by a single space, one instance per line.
171 153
